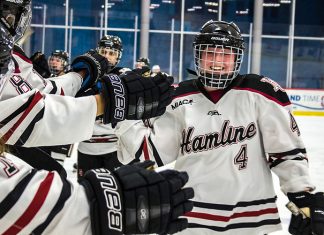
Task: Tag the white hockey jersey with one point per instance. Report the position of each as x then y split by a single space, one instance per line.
39 112
40 202
103 140
228 149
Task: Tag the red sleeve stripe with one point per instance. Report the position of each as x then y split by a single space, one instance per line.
207 216
263 94
22 57
37 97
33 207
145 150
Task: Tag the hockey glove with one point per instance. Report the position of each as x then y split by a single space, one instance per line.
134 200
134 97
95 65
302 225
40 64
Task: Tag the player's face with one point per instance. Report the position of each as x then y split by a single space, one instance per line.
139 65
217 60
55 62
110 54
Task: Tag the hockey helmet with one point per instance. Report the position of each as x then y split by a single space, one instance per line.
111 47
218 51
142 62
15 16
58 62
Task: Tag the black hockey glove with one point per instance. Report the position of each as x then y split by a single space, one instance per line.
134 200
40 64
134 97
302 225
95 65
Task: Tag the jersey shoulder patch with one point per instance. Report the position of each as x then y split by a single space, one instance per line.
186 88
263 86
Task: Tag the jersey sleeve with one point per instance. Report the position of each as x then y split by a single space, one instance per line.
282 140
67 84
157 139
38 119
40 202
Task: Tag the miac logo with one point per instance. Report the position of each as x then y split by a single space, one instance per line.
213 113
181 102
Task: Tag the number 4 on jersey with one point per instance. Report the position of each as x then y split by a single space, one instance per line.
241 158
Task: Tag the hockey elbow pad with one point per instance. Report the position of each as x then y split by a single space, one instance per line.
312 223
95 65
134 200
131 96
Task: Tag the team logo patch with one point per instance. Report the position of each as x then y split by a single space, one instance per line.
276 86
181 102
213 113
293 124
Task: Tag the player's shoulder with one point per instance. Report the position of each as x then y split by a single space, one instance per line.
186 88
18 51
262 85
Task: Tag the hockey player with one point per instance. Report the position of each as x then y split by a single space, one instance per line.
40 64
228 131
41 112
100 150
58 63
130 200
142 67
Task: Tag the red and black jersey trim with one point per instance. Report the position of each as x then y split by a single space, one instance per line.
272 209
11 199
54 90
156 154
26 134
237 225
64 196
18 111
27 107
34 206
186 88
277 158
261 85
231 207
20 52
102 139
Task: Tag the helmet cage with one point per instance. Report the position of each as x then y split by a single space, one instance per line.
57 69
213 78
15 17
103 50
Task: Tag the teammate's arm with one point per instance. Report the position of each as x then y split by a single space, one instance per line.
138 201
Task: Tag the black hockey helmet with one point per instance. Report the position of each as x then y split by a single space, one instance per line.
113 43
144 61
15 15
224 38
63 57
